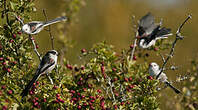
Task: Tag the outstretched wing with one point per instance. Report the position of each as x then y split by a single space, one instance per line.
146 24
163 33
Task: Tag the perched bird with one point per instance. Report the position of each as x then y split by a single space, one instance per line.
35 27
149 32
154 70
47 64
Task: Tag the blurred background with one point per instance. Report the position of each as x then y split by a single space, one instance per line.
110 20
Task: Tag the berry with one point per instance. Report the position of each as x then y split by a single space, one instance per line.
55 87
115 106
126 79
83 50
89 85
122 103
150 77
131 86
57 95
99 91
83 96
130 79
81 79
156 49
79 107
44 100
134 58
131 46
14 36
69 66
37 83
10 92
82 68
4 108
114 69
4 63
31 92
37 46
36 98
3 87
102 69
36 103
1 58
11 41
115 79
19 32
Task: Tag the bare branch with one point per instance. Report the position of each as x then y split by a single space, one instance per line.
49 29
111 88
35 50
19 19
135 41
163 59
178 37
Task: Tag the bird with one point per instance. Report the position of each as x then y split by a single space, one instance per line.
154 70
47 64
149 32
34 27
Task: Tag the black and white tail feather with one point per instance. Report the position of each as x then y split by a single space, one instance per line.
172 87
63 18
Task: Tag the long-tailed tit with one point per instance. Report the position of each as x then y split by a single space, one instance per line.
47 64
35 27
154 70
149 32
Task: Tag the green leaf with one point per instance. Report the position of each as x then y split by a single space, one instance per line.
13 5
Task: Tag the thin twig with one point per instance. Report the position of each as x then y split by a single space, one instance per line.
19 19
34 45
163 59
111 88
5 12
178 37
135 41
49 29
8 22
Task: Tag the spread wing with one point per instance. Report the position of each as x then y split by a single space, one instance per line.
146 24
163 33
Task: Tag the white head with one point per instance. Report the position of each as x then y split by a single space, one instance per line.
154 66
26 28
52 52
154 69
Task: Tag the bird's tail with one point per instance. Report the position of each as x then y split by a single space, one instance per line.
172 87
164 33
26 90
63 18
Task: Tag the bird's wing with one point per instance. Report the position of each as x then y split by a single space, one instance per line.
163 33
46 62
63 18
154 33
34 25
146 24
